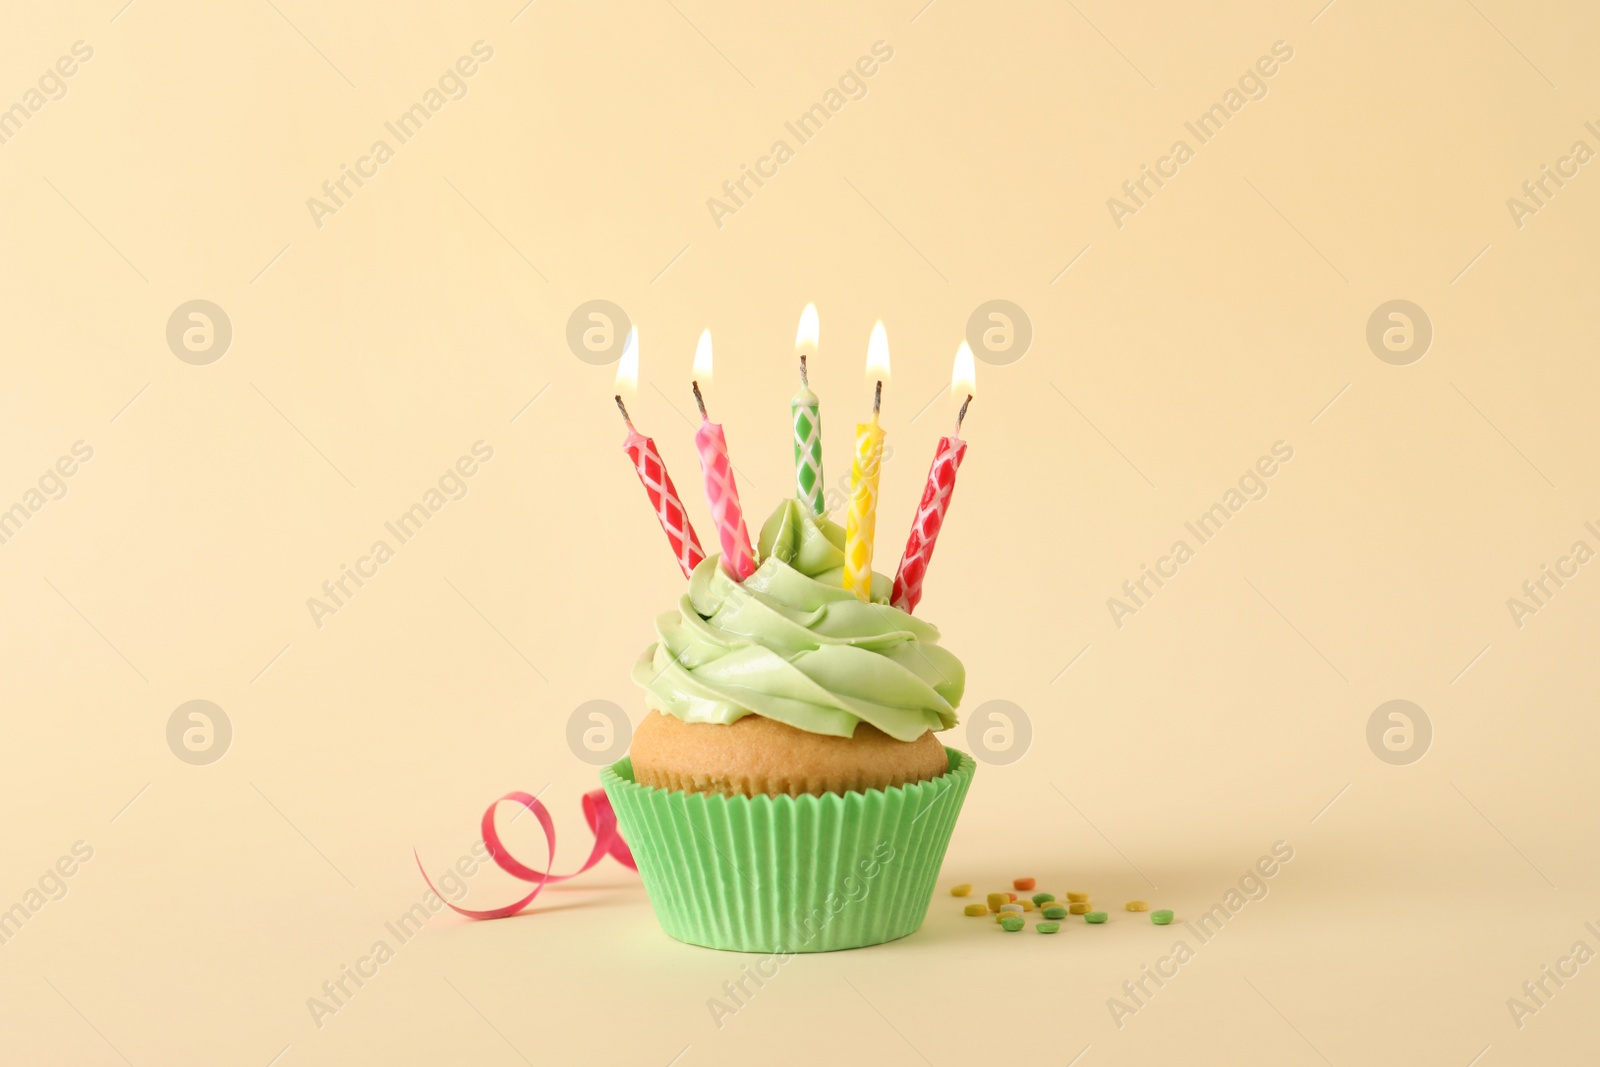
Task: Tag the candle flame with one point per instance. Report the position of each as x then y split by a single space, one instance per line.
805 338
702 359
964 375
628 365
878 355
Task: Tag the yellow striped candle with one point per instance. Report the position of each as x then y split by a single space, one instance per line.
861 525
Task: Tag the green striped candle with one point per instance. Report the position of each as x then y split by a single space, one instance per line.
806 413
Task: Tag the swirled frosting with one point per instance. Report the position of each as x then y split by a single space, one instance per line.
790 643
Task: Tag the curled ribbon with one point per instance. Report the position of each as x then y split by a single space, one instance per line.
607 842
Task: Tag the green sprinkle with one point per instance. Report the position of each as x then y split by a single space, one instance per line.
1095 917
1041 899
1048 928
1011 923
1054 911
1161 918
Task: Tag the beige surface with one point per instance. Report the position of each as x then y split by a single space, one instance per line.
372 352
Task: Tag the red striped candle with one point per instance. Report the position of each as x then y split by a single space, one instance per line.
930 519
936 496
652 470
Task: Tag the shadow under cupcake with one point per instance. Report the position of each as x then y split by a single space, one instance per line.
786 792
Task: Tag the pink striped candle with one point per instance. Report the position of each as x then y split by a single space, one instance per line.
722 493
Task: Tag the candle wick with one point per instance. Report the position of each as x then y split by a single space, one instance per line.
961 416
803 380
623 408
701 401
877 398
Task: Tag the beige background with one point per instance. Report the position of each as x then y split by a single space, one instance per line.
369 353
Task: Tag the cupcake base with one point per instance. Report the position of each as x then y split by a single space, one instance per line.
757 755
785 874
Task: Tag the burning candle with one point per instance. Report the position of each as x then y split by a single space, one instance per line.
936 494
863 520
805 410
652 469
738 558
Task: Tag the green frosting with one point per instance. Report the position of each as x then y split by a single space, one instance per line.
792 644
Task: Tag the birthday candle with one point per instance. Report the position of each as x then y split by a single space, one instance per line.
936 494
722 493
652 470
805 410
861 525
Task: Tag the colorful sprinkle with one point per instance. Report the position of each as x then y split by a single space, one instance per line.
1077 898
1048 928
1095 917
1023 884
997 899
1011 909
1137 905
1161 918
1027 905
975 909
962 890
1079 907
1054 911
1011 923
1041 899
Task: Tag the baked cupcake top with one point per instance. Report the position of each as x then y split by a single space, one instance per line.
791 644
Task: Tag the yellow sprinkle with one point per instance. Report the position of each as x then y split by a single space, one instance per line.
1137 905
976 909
1078 907
1077 898
997 899
962 890
1027 905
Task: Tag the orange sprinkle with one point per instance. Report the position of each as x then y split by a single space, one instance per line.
1022 885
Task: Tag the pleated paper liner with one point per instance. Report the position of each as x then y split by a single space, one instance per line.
790 874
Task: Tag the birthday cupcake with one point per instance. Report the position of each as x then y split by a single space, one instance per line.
787 792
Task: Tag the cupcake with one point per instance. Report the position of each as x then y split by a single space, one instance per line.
786 791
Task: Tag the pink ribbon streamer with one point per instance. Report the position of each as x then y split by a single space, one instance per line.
607 842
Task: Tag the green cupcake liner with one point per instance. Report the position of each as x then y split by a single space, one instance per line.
790 874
